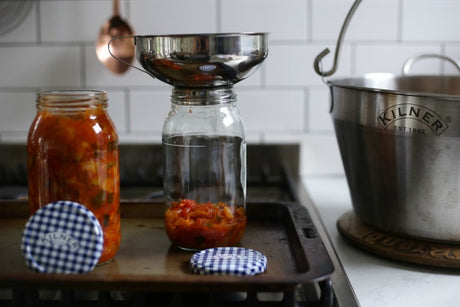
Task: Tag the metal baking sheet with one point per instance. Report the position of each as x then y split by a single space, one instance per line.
146 261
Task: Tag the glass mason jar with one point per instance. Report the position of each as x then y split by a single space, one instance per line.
204 169
72 151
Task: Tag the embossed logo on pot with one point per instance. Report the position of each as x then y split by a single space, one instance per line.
412 114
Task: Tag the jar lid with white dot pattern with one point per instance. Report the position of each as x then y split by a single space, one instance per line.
62 237
228 261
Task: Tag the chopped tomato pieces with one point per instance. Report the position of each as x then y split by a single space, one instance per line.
195 225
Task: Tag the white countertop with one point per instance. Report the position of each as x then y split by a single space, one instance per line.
375 280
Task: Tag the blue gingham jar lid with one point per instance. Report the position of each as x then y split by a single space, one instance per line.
228 261
62 237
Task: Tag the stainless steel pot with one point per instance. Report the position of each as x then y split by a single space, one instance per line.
399 139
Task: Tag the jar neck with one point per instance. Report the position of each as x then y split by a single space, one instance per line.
72 100
203 96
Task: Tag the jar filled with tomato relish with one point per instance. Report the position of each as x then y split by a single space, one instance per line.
73 155
204 169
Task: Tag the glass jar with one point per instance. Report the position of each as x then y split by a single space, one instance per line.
72 151
204 169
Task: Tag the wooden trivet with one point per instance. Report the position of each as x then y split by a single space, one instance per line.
398 247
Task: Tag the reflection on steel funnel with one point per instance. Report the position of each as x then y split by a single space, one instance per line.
201 60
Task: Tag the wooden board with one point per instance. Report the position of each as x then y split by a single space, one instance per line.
397 247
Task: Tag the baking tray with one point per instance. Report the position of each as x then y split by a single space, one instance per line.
146 261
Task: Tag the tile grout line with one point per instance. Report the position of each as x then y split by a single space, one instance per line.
218 19
399 21
83 66
38 33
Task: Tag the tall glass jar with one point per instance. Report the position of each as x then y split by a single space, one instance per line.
204 159
73 154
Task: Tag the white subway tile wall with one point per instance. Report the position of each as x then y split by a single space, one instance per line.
285 101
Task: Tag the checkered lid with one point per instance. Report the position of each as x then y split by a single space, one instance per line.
228 261
62 237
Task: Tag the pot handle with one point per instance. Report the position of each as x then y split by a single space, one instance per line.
319 57
121 60
415 58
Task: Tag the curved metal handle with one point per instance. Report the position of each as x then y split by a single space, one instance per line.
415 58
120 60
319 57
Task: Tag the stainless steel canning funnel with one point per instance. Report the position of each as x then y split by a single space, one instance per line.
200 60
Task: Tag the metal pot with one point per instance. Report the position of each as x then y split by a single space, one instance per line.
399 139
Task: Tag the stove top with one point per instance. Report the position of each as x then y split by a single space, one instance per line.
272 178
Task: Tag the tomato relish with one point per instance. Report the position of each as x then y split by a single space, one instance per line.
195 225
73 155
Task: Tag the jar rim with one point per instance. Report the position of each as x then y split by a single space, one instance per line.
74 99
73 93
203 96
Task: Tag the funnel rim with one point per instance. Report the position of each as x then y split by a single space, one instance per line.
217 34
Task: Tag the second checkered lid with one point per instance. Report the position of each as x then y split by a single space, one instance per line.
228 261
62 237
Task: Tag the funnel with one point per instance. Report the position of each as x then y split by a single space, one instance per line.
201 60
